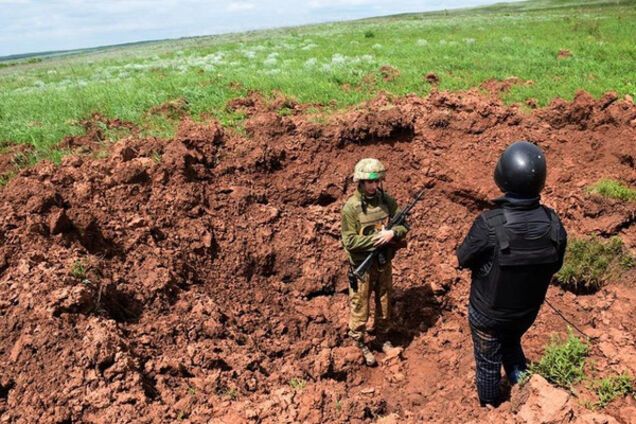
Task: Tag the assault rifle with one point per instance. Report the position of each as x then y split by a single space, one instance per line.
398 219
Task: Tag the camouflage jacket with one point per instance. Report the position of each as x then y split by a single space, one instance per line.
362 218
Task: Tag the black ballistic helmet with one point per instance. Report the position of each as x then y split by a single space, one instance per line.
521 170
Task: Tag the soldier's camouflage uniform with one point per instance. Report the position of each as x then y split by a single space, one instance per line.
362 217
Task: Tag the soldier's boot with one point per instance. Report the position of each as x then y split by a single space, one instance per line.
368 356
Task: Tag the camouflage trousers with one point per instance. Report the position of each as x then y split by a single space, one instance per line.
379 281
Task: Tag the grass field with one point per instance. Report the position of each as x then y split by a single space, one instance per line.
43 99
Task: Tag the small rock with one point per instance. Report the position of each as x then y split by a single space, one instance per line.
389 419
398 377
396 352
540 402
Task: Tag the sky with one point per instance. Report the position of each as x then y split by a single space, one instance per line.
43 25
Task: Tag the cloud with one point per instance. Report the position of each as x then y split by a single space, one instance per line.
239 6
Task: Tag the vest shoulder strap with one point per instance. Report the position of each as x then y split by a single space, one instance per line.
554 224
496 220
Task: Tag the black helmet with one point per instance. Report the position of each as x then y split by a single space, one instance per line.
521 169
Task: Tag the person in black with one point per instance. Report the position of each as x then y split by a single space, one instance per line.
512 250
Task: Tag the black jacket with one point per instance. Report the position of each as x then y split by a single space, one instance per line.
509 287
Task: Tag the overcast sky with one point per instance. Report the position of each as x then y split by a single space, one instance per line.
43 25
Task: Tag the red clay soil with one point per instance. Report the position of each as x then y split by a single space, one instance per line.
201 278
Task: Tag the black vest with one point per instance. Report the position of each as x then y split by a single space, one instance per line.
512 285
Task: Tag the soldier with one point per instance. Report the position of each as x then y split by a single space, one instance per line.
512 251
363 218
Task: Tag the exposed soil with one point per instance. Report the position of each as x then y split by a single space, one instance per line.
172 109
95 132
13 157
497 87
431 78
201 278
389 73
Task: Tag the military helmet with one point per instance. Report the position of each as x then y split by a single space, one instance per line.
521 169
368 169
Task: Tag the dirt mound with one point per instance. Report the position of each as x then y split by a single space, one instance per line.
172 109
431 78
95 128
13 158
497 87
201 278
389 73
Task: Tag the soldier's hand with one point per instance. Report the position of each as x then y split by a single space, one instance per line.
383 237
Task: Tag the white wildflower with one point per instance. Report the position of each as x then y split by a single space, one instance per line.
338 59
311 62
270 61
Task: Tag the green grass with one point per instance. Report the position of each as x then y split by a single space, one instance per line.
563 364
43 101
297 383
78 269
613 189
591 262
563 361
613 387
230 393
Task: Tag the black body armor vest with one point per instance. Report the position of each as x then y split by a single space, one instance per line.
513 284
